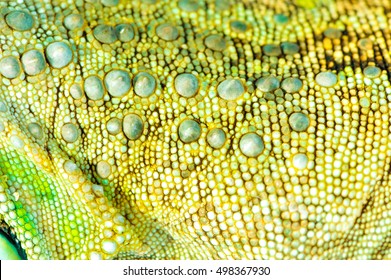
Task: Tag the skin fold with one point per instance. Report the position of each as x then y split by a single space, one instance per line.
208 129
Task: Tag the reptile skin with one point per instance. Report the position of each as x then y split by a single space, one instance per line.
275 145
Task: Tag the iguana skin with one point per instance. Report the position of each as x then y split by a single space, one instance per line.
157 197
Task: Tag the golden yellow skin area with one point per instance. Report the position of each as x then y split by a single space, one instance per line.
82 192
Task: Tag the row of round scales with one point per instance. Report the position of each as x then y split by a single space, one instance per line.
107 34
250 144
118 82
125 32
58 54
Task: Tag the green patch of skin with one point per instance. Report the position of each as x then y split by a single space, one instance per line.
8 250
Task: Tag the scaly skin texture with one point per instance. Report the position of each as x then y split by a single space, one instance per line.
104 167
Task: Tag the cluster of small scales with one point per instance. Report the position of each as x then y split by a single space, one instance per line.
122 139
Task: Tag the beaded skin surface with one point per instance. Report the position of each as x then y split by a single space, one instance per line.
209 129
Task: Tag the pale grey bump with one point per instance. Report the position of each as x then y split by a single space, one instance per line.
267 84
19 20
33 62
93 87
70 167
272 50
251 144
299 122
216 138
105 34
372 72
239 26
35 130
215 42
300 161
144 84
125 32
291 85
59 54
76 91
230 89
326 79
167 32
117 82
103 169
73 21
114 126
69 132
186 85
133 126
9 67
189 131
289 48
